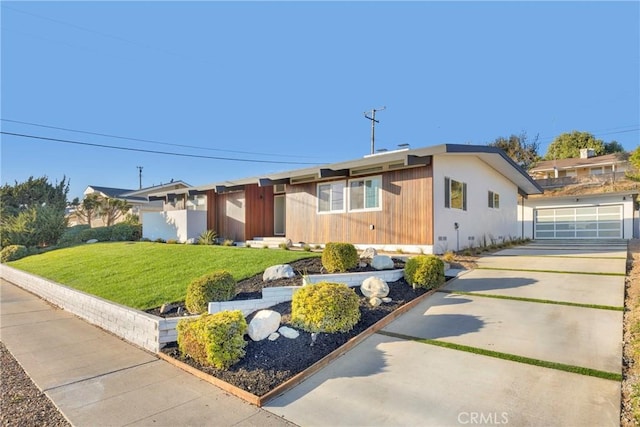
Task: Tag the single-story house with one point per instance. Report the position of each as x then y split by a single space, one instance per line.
138 199
584 166
430 200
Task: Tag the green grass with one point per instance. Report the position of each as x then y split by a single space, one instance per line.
145 275
541 301
512 357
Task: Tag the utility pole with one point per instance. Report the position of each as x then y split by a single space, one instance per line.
140 175
373 126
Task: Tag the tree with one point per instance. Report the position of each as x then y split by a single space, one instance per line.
519 149
634 159
613 147
33 192
112 209
87 210
33 212
568 145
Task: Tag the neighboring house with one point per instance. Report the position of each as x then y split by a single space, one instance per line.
585 198
430 200
138 199
587 166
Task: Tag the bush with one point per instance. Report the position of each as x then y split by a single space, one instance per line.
71 235
216 286
124 232
37 226
306 248
325 307
424 271
13 253
207 237
339 257
449 256
283 246
172 242
214 339
101 234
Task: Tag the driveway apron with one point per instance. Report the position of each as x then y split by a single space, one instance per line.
533 336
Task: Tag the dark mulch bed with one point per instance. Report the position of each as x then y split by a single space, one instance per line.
268 364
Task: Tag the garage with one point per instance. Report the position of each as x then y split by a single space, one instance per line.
585 222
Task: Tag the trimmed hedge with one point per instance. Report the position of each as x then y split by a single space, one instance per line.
214 339
325 307
13 253
216 286
339 257
116 233
424 271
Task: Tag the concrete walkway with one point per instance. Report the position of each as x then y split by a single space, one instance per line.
394 379
96 379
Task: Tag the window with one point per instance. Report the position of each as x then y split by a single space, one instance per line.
331 197
365 193
494 200
455 194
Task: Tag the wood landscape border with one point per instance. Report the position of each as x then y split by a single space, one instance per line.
302 376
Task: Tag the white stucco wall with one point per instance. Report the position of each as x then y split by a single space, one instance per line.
526 212
478 222
180 225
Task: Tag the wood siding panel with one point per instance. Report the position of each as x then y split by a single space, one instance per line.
406 217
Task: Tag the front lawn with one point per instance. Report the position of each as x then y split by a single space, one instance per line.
144 275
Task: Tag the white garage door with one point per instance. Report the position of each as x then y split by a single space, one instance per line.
593 222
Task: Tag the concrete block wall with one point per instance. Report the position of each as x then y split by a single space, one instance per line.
355 279
135 326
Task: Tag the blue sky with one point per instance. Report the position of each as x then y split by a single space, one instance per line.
289 82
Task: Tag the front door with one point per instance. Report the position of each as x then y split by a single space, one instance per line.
279 214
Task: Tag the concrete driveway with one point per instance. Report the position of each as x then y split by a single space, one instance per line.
553 304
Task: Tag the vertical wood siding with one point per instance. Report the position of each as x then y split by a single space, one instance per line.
406 217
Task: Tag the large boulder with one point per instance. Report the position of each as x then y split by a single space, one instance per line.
382 262
281 271
368 253
374 287
263 324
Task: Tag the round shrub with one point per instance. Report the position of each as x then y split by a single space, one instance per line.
124 232
13 253
424 271
217 286
339 257
325 307
214 339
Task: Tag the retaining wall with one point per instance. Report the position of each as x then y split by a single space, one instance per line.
140 328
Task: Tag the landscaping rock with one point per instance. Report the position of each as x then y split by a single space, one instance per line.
362 264
374 287
368 253
386 299
274 336
382 262
263 324
166 307
375 301
288 332
282 271
92 241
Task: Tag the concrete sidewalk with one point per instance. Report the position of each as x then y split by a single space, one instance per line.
97 379
399 380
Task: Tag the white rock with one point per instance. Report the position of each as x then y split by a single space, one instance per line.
263 324
375 301
191 241
288 332
382 262
386 299
368 253
281 271
92 241
374 287
274 336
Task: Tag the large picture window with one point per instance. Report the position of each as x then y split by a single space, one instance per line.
365 194
331 197
455 194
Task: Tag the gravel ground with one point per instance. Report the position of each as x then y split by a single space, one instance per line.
21 402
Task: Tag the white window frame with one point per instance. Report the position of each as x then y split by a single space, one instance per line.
494 197
364 180
332 186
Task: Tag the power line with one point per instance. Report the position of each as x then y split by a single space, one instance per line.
150 141
140 150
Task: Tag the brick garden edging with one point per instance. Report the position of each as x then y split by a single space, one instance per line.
142 329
